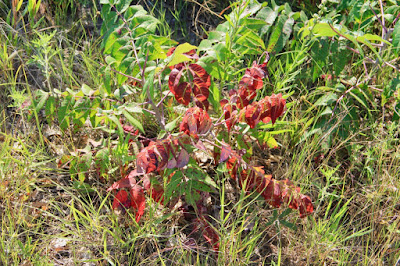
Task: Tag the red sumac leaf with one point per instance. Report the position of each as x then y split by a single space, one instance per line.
305 206
272 107
138 201
182 93
171 163
250 83
199 84
171 51
183 158
252 114
153 157
146 160
226 151
196 121
122 200
232 165
128 181
230 113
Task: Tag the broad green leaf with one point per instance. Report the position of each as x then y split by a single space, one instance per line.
174 185
269 16
86 90
63 118
172 125
252 41
123 5
324 29
133 108
270 141
276 33
288 224
178 55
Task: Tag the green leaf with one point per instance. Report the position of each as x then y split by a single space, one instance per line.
178 55
288 224
82 187
42 100
64 108
173 186
396 37
373 37
133 121
19 4
133 108
172 125
280 33
149 85
326 99
269 16
86 90
123 5
285 213
114 119
324 29
271 142
50 109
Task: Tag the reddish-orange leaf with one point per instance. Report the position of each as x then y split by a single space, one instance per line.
128 181
122 201
305 206
153 157
273 107
232 165
196 121
182 93
226 151
138 201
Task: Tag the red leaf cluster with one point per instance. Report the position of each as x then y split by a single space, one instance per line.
156 156
276 192
268 109
239 106
198 83
134 199
230 113
250 83
265 110
196 121
153 158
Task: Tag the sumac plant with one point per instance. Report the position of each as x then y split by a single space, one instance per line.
166 167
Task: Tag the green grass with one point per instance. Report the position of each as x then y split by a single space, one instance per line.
46 219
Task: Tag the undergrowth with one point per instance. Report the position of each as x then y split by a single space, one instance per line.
159 132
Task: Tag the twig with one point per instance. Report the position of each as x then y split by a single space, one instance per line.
123 74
